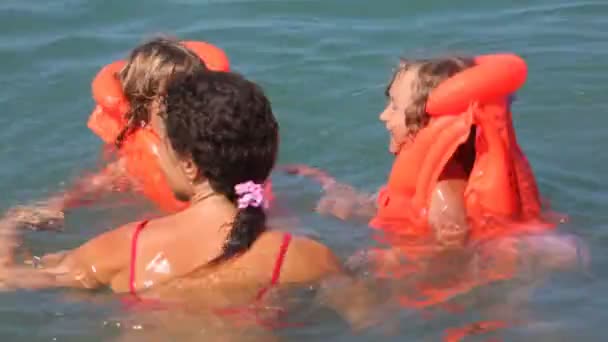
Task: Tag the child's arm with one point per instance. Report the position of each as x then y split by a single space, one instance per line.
447 214
340 200
93 186
346 203
49 214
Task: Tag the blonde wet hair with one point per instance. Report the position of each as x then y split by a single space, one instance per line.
429 74
148 70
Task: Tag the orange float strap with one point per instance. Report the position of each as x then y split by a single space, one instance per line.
107 119
501 187
140 149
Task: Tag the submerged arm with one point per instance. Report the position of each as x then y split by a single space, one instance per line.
92 186
351 299
447 213
540 253
340 200
49 214
338 290
94 264
68 273
346 203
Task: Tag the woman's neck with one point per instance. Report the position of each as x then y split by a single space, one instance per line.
205 197
202 192
210 214
202 196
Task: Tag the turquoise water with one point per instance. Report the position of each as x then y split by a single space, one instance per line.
324 65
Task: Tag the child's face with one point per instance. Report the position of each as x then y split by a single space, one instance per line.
400 98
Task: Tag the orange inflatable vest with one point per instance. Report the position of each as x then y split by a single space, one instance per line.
501 188
140 149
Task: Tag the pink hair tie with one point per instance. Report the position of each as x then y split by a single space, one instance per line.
249 194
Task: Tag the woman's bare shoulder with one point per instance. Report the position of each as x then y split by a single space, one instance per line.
305 260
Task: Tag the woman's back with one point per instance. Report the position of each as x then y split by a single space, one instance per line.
171 259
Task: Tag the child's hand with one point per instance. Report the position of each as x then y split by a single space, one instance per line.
44 216
344 202
451 235
312 172
340 200
385 263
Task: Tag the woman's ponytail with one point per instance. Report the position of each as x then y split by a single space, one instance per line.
249 223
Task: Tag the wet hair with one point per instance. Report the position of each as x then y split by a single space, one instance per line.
145 75
226 125
429 74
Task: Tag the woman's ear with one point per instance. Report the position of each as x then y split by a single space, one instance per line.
190 169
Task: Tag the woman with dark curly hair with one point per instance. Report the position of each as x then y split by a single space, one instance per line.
218 142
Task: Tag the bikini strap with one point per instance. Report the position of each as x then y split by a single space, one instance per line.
276 272
132 267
